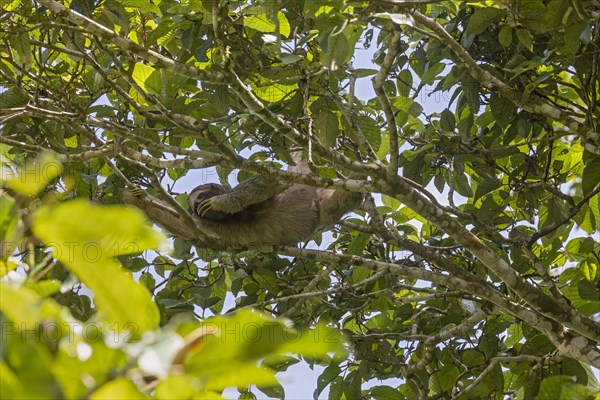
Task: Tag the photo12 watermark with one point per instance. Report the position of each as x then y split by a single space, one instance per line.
52 331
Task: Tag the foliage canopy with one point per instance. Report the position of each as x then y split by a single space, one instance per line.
470 271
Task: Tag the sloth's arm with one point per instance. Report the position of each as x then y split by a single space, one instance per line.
251 191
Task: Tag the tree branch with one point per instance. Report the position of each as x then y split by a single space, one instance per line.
378 82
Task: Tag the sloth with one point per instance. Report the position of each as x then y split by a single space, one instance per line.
258 212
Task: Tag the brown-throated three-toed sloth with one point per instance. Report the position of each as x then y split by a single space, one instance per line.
259 211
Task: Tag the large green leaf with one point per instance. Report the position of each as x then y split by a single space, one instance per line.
233 345
87 238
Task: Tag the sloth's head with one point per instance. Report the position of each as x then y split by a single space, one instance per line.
204 192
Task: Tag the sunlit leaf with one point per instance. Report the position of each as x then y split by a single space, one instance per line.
260 22
284 24
147 78
35 175
274 92
120 388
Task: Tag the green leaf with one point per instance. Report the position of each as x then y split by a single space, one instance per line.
391 202
86 238
26 362
439 181
594 206
274 92
571 367
21 43
163 32
462 186
525 38
327 127
176 387
447 120
261 23
404 83
288 59
384 146
358 244
431 73
562 387
365 72
147 78
26 307
515 335
328 375
148 281
588 291
589 270
384 392
533 13
72 142
120 388
11 98
10 6
444 379
486 184
284 24
482 18
551 211
266 278
36 174
573 36
336 389
339 48
408 105
10 387
502 109
470 88
591 176
371 131
505 35
275 391
280 362
536 345
353 384
141 5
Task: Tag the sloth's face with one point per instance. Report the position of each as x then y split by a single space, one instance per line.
204 192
